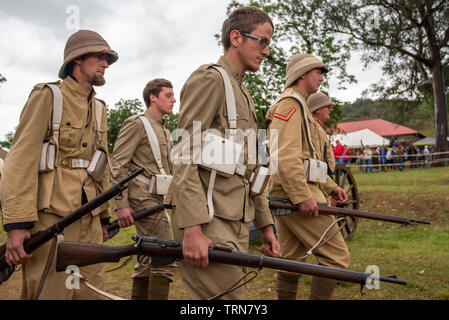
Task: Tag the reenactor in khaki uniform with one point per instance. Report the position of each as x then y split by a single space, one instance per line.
245 37
133 150
299 231
321 106
33 201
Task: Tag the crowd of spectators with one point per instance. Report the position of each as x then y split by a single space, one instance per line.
376 159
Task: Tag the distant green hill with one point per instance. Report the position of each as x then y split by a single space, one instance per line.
419 116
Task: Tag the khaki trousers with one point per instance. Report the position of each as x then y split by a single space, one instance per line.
204 283
86 229
297 234
157 225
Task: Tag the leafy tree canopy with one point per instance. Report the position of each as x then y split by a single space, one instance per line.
118 114
297 30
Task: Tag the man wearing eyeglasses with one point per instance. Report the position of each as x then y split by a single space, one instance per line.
35 195
246 35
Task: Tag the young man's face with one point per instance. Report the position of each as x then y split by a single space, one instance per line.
251 52
93 67
312 80
164 102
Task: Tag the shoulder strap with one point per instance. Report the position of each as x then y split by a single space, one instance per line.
154 144
98 112
303 104
230 100
57 113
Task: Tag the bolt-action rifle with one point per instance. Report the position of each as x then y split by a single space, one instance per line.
82 254
113 227
336 211
39 238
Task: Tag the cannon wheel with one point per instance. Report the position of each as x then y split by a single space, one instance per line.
345 179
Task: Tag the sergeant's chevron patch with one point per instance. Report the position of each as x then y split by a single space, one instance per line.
285 117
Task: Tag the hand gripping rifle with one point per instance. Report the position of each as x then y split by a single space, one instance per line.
39 238
83 254
336 211
113 227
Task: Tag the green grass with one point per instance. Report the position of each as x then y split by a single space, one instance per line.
410 181
418 254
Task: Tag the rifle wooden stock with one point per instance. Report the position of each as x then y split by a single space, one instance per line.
336 211
113 227
39 238
82 254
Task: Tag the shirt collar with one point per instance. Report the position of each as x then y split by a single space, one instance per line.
78 89
300 91
230 69
151 116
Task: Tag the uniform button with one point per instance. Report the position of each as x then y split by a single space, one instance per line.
84 144
68 124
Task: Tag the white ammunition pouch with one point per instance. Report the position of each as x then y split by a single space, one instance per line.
159 183
48 157
220 154
49 153
259 180
97 165
315 170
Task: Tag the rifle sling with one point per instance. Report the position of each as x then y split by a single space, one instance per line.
95 289
50 268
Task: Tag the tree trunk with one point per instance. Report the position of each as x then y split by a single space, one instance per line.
441 123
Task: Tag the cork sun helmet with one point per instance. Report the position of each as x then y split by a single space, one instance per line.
318 100
84 42
300 64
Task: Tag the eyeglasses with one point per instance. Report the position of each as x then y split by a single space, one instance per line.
262 41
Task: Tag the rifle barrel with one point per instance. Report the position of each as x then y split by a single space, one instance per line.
81 254
39 238
324 209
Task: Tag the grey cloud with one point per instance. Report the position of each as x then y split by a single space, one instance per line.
52 13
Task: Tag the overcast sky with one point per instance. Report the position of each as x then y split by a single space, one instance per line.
154 38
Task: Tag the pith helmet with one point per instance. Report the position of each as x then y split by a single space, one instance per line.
300 64
83 42
317 101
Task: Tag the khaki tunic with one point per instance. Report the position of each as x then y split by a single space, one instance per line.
27 195
327 148
297 233
133 151
293 147
203 99
24 191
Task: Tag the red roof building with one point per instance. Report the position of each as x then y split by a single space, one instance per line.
382 127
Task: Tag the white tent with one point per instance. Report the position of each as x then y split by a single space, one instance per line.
357 138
